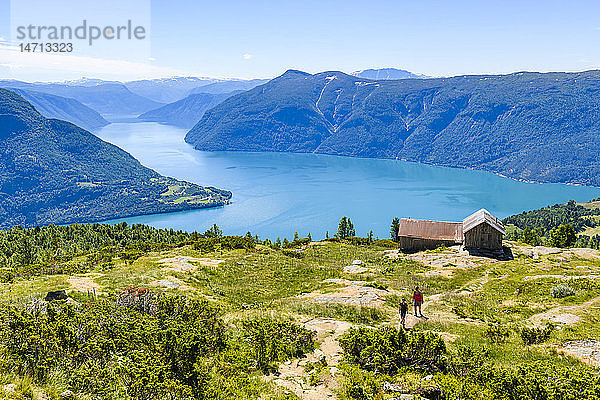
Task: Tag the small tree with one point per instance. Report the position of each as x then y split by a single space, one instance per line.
531 237
278 243
309 237
394 228
213 232
563 236
296 236
345 228
370 236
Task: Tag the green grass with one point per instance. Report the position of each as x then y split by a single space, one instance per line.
173 190
267 280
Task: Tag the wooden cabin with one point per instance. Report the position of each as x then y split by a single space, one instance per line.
479 231
417 235
483 231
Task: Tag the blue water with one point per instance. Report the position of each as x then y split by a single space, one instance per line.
275 194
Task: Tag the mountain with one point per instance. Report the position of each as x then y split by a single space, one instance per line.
53 172
167 90
186 112
67 109
386 74
107 98
532 126
229 86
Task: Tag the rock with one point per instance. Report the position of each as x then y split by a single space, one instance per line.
56 295
9 389
39 395
392 387
357 262
407 397
334 371
427 378
67 395
319 355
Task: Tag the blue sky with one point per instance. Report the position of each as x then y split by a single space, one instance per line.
249 39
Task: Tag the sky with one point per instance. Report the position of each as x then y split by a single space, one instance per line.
263 38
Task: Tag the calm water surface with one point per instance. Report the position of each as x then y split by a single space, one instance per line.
275 194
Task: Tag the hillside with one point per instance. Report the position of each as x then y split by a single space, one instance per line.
180 315
386 74
66 109
53 172
505 123
107 98
188 111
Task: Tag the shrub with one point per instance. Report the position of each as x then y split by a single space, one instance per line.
272 341
387 350
292 253
536 335
560 291
497 333
387 243
376 285
358 241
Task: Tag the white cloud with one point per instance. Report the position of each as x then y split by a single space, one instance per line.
247 56
2 39
47 66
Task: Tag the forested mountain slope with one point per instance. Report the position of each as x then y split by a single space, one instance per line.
532 126
52 171
67 109
186 112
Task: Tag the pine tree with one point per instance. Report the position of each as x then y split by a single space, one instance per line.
213 232
296 236
394 228
345 228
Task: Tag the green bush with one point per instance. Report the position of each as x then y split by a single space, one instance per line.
387 350
274 341
536 335
146 347
497 333
387 243
292 253
561 291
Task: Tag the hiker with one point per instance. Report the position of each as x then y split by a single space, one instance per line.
418 302
403 311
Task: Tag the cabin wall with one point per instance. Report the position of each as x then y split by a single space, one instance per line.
415 244
483 236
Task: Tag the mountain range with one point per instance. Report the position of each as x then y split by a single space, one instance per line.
105 97
53 172
187 112
531 126
167 90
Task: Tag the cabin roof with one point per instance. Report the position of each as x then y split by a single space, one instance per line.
480 217
433 230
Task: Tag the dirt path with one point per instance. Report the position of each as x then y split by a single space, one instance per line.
293 375
85 283
567 315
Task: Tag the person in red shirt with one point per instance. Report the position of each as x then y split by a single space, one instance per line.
418 302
